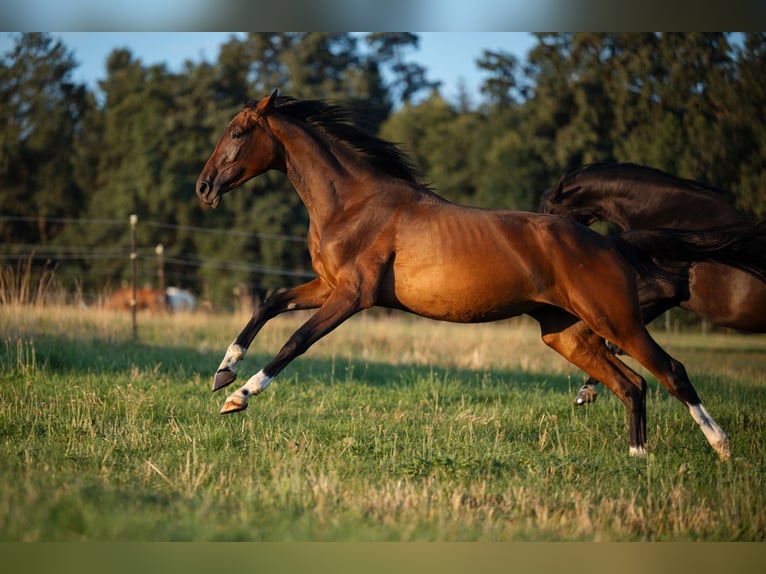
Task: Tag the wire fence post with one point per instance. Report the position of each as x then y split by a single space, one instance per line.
160 268
133 258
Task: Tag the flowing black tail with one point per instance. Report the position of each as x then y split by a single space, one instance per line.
659 252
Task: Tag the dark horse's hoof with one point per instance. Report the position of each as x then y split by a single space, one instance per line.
614 349
586 394
223 378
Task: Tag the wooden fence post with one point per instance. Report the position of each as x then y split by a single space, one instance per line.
133 257
160 269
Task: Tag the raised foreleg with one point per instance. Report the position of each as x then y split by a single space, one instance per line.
310 295
339 306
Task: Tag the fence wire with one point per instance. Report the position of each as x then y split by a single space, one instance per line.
48 252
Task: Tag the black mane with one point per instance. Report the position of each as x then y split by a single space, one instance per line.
336 123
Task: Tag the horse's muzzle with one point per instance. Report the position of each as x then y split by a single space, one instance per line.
207 194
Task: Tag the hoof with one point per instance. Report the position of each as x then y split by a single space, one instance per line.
586 394
724 450
639 451
233 405
614 349
223 378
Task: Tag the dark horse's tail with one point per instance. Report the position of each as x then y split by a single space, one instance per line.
659 252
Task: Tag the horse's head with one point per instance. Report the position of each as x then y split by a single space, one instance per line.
562 199
246 148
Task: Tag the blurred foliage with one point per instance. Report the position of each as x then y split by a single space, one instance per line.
688 103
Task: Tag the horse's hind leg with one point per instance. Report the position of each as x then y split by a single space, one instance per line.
633 338
577 343
310 295
673 377
588 392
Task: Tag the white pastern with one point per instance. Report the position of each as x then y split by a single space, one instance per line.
714 434
234 354
637 451
255 385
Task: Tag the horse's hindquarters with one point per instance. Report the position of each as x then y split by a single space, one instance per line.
727 296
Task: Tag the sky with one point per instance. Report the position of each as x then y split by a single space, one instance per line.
449 57
377 15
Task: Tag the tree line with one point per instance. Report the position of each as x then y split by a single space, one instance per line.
688 103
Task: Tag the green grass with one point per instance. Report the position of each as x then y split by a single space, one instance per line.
392 428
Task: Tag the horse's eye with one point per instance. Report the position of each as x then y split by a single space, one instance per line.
237 134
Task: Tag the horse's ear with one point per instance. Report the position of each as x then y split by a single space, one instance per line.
266 102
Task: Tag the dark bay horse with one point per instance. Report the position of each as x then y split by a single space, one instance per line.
377 236
632 196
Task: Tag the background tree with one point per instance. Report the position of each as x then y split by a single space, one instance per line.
41 112
501 88
688 103
746 125
409 78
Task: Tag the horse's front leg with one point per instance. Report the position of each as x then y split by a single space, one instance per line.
341 305
307 296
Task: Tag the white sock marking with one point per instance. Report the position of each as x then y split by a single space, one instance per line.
255 385
637 451
233 354
714 434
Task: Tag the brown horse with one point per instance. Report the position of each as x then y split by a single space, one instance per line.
147 299
379 237
632 196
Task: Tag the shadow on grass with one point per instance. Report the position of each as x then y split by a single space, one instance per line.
56 354
95 356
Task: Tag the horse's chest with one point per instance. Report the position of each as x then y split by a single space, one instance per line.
334 255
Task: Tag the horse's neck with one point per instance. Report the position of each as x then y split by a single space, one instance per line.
314 170
327 177
671 208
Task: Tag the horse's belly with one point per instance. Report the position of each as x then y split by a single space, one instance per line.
463 294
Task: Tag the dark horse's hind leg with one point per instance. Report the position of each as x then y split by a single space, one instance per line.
587 393
310 295
577 343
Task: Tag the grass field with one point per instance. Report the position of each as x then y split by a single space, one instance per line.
391 428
